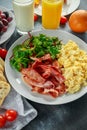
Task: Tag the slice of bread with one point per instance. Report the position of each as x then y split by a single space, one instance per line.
2 62
4 90
1 72
1 68
4 85
2 77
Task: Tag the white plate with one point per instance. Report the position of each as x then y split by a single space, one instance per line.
17 83
5 36
68 8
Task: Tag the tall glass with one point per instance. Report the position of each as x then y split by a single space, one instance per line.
24 15
51 13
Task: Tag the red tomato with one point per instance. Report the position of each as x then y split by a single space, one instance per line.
63 20
3 53
2 121
11 115
35 17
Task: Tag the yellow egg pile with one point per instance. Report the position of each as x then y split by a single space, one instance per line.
73 62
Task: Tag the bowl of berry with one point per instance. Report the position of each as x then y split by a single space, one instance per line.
7 24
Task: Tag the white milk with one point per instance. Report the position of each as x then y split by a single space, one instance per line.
24 14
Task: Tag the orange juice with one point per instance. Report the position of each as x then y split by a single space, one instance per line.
51 13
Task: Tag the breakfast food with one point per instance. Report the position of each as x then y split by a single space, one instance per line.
45 77
78 21
2 77
4 90
35 46
1 68
49 66
1 62
73 61
4 85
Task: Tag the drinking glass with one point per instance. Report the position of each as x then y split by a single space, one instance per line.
24 15
51 13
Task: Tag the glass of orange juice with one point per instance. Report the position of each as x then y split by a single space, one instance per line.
51 13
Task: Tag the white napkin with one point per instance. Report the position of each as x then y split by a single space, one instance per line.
26 112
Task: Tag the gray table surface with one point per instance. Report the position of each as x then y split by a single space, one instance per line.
70 116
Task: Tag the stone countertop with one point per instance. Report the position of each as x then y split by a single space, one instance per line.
70 116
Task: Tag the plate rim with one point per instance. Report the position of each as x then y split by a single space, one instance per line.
9 30
36 10
42 101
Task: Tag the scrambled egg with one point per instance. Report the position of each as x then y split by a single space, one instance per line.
73 62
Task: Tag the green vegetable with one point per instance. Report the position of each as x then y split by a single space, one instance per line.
35 46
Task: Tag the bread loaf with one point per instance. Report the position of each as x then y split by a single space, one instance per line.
2 77
4 85
2 62
1 68
4 90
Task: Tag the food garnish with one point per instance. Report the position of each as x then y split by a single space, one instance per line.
50 67
35 46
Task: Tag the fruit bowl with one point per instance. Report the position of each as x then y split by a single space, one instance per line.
7 24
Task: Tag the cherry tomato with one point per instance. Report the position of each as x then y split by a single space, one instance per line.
11 115
3 53
35 17
2 121
63 20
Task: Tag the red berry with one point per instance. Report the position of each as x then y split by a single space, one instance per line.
5 22
9 19
3 15
5 19
1 26
4 29
6 14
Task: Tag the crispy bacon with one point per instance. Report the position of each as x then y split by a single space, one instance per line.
45 77
47 84
33 75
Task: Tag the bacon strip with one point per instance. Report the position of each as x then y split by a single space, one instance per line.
45 77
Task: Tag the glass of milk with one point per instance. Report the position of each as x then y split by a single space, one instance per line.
24 15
